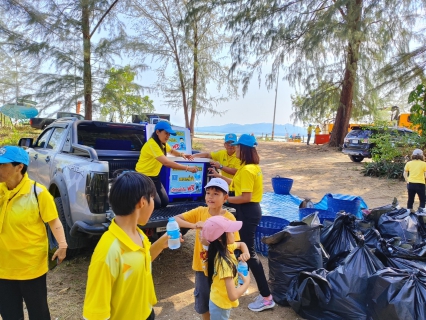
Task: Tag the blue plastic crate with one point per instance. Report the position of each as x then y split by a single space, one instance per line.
322 214
268 226
351 206
282 185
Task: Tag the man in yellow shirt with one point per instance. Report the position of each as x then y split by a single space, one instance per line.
225 160
25 207
119 283
309 133
317 132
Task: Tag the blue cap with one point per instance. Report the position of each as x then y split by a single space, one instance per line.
231 137
247 140
10 154
165 125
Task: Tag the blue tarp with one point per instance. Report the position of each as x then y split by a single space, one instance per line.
287 206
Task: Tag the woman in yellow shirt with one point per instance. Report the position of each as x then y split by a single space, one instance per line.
414 175
248 186
154 155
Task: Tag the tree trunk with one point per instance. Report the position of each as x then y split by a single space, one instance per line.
87 72
341 123
194 82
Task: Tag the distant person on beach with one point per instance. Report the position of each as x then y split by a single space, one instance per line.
309 133
224 160
317 132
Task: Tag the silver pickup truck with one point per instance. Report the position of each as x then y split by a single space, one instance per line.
75 159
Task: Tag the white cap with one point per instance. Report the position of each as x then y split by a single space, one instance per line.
417 152
218 182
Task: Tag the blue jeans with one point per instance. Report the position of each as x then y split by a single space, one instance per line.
217 313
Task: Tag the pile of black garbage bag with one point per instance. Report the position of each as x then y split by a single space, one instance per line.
374 268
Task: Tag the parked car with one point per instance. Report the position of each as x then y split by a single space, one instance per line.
41 123
358 145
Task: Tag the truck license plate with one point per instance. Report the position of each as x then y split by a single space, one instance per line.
161 229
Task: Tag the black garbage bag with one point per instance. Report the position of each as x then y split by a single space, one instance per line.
376 213
308 295
400 263
291 251
392 248
349 283
339 239
397 294
400 223
371 238
421 218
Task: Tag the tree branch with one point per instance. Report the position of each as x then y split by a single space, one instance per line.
103 17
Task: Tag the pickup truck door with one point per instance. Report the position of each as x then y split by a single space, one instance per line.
47 154
38 146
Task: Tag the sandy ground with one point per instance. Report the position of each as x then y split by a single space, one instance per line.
316 170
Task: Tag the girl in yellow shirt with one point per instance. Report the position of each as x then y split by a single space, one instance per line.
222 269
154 155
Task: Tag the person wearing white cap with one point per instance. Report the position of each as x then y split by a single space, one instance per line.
216 194
414 175
248 186
154 155
222 266
225 160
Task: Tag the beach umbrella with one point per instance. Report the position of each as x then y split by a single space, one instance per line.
19 111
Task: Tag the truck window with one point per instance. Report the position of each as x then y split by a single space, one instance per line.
42 139
111 136
67 144
55 138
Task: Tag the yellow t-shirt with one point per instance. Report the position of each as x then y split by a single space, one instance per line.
317 130
119 282
218 292
202 214
310 130
226 160
249 178
147 163
416 170
23 236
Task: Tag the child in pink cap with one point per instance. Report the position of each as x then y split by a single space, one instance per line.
222 265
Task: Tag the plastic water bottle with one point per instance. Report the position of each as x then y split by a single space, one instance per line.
174 232
242 268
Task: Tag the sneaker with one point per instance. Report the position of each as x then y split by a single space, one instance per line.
260 304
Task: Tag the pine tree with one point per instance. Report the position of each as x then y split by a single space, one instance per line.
325 41
187 49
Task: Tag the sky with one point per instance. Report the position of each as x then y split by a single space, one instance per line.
257 106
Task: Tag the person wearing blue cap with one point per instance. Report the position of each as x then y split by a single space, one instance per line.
154 155
25 207
225 160
248 186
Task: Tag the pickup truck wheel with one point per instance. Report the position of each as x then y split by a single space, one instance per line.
356 158
73 243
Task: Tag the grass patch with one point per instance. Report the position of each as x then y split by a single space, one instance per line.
11 135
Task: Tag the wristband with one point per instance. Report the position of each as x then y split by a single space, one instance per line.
221 166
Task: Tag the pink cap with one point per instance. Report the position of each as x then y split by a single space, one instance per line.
215 226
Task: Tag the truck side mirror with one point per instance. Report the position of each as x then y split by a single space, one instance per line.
26 142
